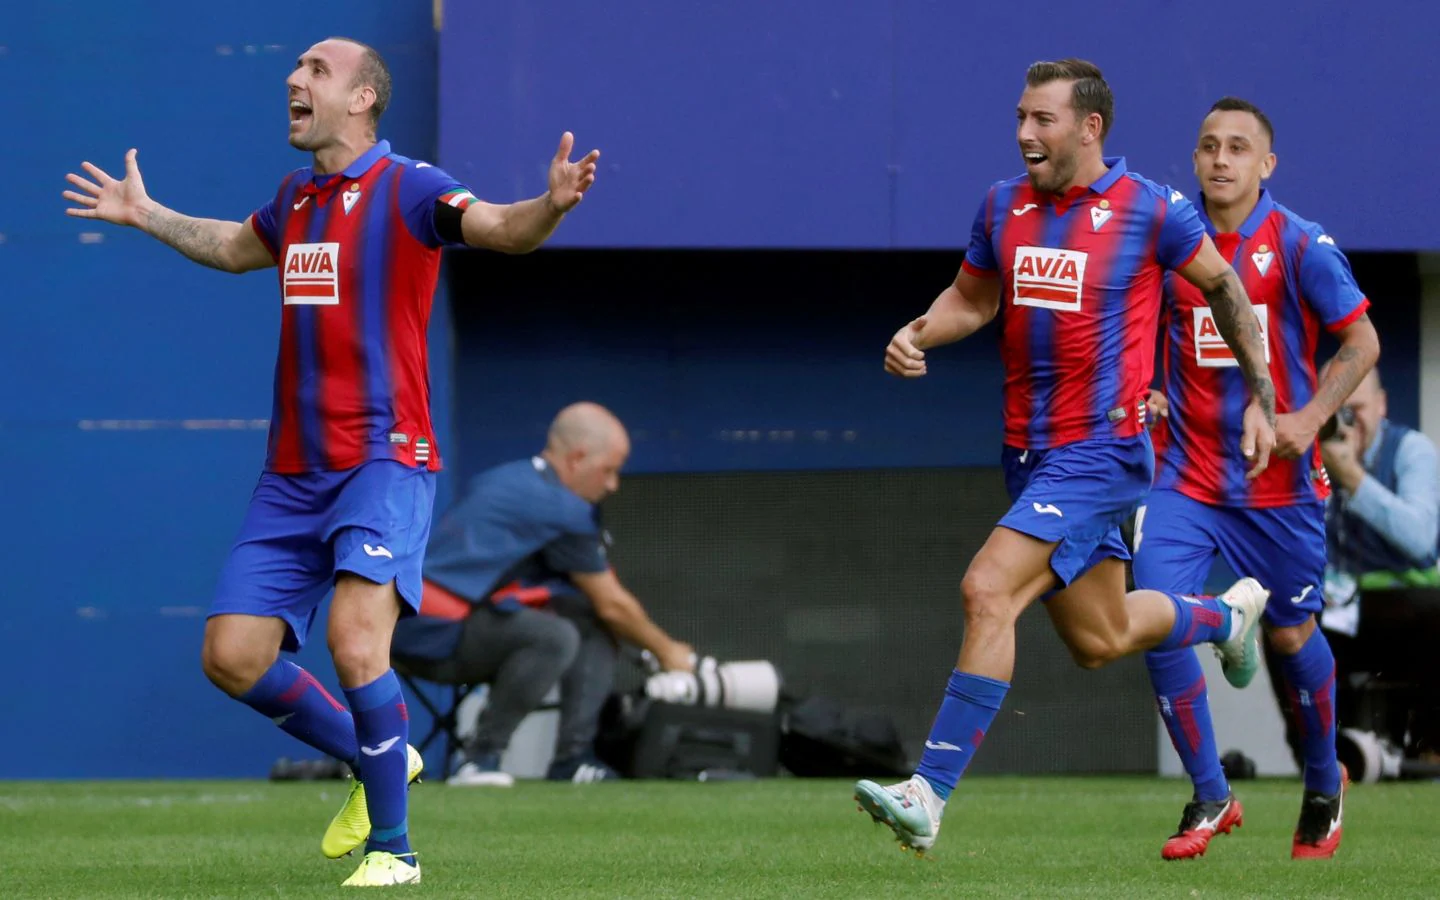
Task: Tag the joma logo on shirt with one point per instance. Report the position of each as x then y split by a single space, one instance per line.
1049 279
311 274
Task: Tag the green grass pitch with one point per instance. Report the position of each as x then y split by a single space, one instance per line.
788 838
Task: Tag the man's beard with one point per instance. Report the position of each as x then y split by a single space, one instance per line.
1059 175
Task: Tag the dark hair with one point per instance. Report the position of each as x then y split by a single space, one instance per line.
374 74
1235 104
1089 93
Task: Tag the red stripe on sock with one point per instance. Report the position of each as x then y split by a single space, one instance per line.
1208 617
297 690
336 704
1323 708
293 692
1184 707
1189 638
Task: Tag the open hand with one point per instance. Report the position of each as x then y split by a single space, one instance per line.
570 180
120 202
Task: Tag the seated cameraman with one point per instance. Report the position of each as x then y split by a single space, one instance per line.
1382 588
519 594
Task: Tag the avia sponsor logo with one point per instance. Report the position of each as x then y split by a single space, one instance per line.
1049 279
1211 352
311 274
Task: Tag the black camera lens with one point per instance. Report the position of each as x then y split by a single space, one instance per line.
1343 416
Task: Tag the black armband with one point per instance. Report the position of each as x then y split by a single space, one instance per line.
447 223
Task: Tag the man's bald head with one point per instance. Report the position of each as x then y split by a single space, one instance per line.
370 71
586 446
585 425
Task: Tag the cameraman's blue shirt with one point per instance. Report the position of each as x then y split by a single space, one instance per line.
1409 516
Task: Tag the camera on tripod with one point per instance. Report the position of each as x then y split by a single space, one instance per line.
1344 417
721 722
749 685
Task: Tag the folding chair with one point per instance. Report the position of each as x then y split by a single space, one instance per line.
443 713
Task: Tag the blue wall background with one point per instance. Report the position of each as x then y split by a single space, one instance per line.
132 427
137 384
879 123
725 360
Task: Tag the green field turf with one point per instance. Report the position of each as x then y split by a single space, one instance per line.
1004 837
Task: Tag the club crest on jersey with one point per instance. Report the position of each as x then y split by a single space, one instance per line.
311 274
1100 214
350 197
1211 351
1049 278
1262 258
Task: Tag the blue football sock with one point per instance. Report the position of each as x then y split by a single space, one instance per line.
1179 684
382 727
1310 679
295 701
970 705
1198 620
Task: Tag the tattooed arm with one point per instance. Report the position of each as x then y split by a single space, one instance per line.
229 246
1327 286
1236 322
1358 353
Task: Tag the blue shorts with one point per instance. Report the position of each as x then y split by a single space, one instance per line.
1077 496
301 530
1282 547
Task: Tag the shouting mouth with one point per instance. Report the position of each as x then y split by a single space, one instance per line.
300 113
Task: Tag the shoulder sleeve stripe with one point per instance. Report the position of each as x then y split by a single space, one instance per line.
260 233
972 269
1350 319
458 198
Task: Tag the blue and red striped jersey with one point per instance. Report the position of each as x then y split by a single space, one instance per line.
1298 281
358 257
1080 279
